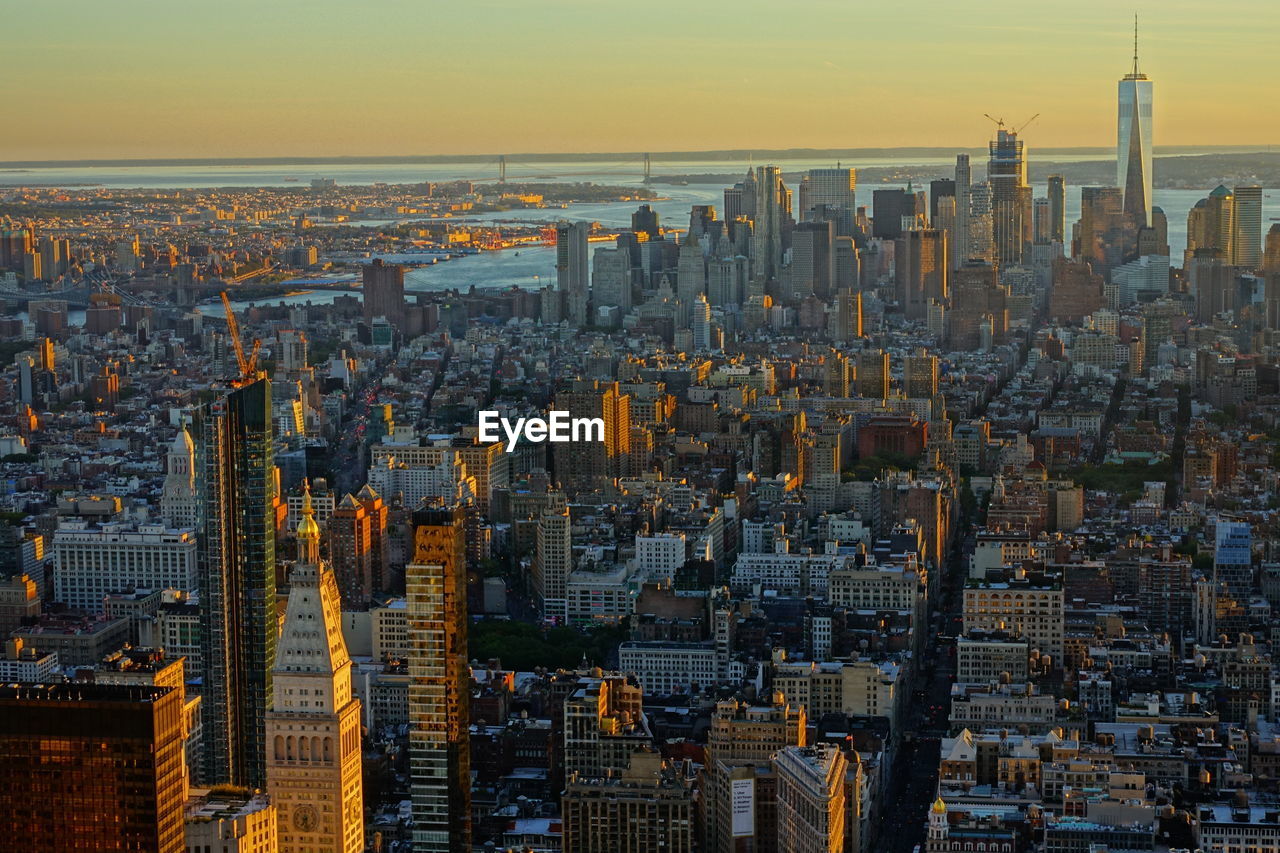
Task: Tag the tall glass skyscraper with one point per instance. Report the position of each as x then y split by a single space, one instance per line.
439 745
237 570
1133 141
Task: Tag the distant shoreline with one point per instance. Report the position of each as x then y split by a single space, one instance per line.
726 154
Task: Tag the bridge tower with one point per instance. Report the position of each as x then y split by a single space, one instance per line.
648 169
502 168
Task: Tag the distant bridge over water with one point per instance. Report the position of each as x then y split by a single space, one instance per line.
77 293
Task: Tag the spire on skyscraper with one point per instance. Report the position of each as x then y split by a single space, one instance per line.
1135 44
308 532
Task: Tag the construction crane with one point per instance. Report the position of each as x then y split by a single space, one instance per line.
1000 123
248 364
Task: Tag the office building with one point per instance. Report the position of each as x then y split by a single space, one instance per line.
180 500
1057 209
572 270
691 272
231 821
920 375
645 221
92 560
811 799
1246 227
358 546
771 212
603 723
1233 556
237 580
1010 197
92 767
1103 236
314 764
834 190
700 324
648 808
383 289
1133 142
812 260
921 271
552 562
1209 223
1022 603
439 682
741 744
586 465
873 374
960 240
611 279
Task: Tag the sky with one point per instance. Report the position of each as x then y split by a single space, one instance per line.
243 78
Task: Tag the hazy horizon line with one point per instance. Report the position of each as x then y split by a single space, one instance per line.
560 156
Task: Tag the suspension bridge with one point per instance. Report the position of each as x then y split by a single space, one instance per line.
505 169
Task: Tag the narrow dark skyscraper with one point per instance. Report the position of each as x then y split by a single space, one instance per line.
1057 208
237 567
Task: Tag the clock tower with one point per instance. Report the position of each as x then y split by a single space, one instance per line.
313 727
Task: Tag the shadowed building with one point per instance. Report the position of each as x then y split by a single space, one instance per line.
383 286
92 767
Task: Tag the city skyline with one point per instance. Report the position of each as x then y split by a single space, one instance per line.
814 500
202 83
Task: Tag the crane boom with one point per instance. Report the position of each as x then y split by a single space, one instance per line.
246 363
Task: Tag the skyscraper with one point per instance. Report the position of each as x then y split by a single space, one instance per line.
835 189
981 230
358 546
237 571
1010 197
1233 556
811 799
179 502
1057 209
700 323
383 287
313 728
920 375
1246 227
645 221
646 808
572 270
812 260
920 267
552 562
873 374
585 465
691 272
88 766
611 278
439 749
960 235
767 246
1133 141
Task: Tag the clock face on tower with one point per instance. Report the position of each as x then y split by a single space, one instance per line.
305 818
